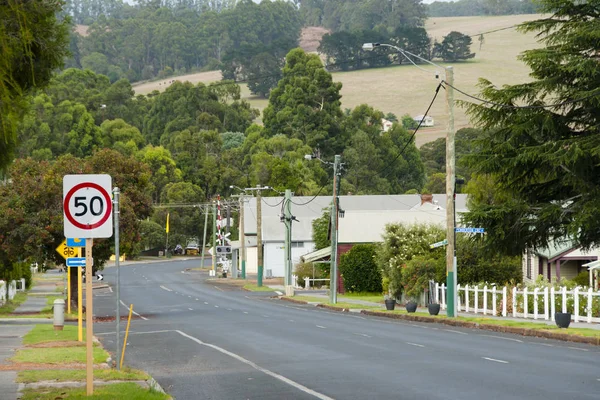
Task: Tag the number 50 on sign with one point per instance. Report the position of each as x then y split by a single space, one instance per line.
87 206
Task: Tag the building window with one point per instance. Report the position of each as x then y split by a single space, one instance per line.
528 255
297 244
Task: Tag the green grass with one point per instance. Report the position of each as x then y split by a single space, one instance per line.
42 333
364 296
50 303
67 375
534 325
58 355
129 391
312 299
11 305
254 288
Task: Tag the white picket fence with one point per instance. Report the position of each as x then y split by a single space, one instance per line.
2 292
546 301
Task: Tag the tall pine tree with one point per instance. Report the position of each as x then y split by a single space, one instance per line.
542 142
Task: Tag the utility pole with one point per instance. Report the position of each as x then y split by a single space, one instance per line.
234 271
116 212
214 240
204 238
334 230
451 272
287 220
242 237
259 245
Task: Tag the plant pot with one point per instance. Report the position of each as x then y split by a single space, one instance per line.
434 308
390 304
563 320
411 306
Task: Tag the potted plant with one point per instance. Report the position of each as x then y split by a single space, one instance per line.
390 300
563 320
411 306
433 306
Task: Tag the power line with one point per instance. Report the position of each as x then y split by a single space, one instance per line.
566 102
311 200
276 205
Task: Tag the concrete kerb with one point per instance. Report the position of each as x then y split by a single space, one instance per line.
466 324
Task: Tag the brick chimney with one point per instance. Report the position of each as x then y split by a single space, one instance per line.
426 198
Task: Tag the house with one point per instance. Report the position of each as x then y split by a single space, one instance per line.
561 260
427 120
364 221
386 124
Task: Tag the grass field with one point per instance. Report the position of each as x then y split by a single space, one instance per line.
408 90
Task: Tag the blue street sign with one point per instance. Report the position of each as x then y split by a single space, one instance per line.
76 262
75 242
469 230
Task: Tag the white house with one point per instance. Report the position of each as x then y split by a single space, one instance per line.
427 120
364 221
386 124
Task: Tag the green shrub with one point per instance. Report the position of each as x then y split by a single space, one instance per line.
582 279
359 270
419 271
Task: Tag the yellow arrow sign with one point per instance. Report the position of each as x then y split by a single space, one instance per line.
65 251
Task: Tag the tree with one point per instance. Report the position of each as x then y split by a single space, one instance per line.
456 46
33 43
544 159
306 104
320 228
359 270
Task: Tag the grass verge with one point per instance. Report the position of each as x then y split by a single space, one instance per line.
46 333
129 391
50 303
372 297
69 375
254 288
58 355
11 305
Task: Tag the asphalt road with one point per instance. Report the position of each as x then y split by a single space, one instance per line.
201 340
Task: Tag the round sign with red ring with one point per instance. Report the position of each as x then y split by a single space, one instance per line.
105 206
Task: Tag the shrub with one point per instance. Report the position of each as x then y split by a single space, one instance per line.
303 270
582 279
359 271
419 271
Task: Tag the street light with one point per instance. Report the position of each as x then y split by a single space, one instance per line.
451 272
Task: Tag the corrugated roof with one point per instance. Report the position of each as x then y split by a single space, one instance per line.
317 255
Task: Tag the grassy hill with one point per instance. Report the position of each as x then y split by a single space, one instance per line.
408 90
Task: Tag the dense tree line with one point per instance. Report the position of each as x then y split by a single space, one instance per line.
159 39
462 8
357 15
343 50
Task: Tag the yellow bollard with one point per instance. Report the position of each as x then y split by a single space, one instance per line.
126 334
79 306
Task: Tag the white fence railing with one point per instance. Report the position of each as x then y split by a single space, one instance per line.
536 303
307 281
2 292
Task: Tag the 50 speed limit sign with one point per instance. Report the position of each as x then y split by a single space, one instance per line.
87 206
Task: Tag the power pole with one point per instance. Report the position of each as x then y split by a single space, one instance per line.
214 240
334 230
287 220
259 246
204 238
451 272
242 237
228 225
116 212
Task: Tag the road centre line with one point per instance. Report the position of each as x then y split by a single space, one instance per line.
495 360
218 288
362 334
166 288
245 312
191 309
453 331
504 338
320 326
577 348
415 344
259 368
125 305
206 302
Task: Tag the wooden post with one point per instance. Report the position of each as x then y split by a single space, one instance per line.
89 317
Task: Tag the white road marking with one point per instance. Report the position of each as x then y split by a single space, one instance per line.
494 360
577 348
196 299
543 344
218 288
415 344
504 338
125 305
109 288
245 312
190 297
166 288
266 316
419 326
183 272
362 334
216 306
206 302
191 309
142 333
319 326
291 320
279 293
229 309
259 368
453 331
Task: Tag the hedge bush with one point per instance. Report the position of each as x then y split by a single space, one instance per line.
359 270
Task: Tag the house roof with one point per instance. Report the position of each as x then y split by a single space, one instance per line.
556 249
379 207
317 255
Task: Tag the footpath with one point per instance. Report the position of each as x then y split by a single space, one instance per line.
38 362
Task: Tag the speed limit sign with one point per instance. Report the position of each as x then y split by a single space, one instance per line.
87 206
